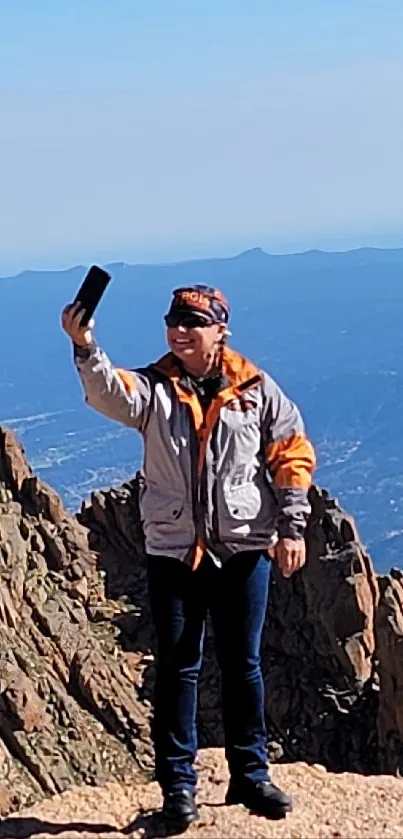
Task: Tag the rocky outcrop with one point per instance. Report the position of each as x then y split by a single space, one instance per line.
319 653
389 633
68 710
77 647
330 649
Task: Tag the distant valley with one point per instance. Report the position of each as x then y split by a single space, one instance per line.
327 326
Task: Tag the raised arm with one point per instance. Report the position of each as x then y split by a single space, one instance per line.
121 395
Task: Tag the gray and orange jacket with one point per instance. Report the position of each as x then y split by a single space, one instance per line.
229 479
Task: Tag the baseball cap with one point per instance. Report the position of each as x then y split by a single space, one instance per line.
201 302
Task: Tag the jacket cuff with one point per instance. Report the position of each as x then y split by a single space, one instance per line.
83 353
291 528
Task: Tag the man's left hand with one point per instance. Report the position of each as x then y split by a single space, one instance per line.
290 555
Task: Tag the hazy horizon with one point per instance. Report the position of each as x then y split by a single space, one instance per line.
220 252
154 132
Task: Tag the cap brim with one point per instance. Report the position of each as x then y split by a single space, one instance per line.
189 310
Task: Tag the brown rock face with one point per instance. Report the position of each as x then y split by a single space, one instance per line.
389 632
77 647
68 708
322 687
330 675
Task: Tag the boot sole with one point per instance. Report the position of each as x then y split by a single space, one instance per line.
180 822
272 812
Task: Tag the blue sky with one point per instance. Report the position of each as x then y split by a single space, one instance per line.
169 129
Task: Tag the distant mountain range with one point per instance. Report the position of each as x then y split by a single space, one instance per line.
327 326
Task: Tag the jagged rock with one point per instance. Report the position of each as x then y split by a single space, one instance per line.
389 632
20 701
319 645
69 710
319 653
77 646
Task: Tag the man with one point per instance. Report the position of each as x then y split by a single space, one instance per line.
227 470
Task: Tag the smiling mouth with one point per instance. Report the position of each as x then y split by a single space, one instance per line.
183 343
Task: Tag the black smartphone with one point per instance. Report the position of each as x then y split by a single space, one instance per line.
91 291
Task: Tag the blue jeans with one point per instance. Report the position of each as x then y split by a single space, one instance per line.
236 597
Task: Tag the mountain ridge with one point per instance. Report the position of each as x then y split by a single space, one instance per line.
245 254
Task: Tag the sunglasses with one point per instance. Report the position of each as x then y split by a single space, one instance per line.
190 321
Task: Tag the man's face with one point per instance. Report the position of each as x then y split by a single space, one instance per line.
192 341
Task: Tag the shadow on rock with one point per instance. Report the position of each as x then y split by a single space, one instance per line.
25 828
152 826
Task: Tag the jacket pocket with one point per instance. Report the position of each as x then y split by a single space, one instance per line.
247 513
160 509
243 501
166 520
237 420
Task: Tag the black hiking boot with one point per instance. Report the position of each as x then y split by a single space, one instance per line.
263 798
179 809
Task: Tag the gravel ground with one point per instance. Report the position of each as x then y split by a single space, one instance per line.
325 805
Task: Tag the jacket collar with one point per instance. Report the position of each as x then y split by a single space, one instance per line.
237 371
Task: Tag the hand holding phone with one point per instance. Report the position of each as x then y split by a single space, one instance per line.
71 323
